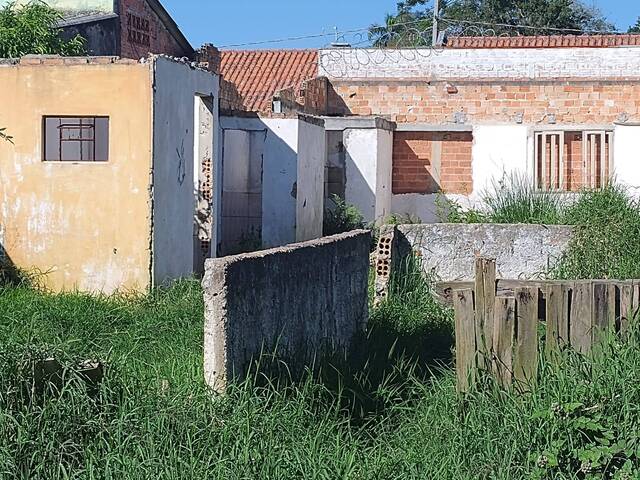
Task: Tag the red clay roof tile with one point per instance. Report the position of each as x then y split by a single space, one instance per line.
259 74
551 41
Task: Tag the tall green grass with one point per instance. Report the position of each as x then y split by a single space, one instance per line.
606 243
582 417
390 411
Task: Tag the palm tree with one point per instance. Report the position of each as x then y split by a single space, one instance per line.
406 29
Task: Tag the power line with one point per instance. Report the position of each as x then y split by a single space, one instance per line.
323 35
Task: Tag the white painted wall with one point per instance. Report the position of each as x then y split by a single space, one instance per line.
280 178
421 208
626 157
279 138
368 153
532 63
174 201
498 150
361 170
312 154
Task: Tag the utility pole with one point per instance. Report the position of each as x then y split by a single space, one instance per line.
436 14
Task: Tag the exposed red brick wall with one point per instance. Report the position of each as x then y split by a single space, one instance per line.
142 32
230 99
315 95
527 102
415 169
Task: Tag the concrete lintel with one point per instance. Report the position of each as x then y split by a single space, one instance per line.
319 121
344 123
429 127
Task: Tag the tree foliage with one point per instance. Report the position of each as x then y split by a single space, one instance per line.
486 17
635 28
33 29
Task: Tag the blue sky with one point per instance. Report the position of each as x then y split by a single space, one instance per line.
230 22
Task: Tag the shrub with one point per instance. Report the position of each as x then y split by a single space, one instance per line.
606 243
342 217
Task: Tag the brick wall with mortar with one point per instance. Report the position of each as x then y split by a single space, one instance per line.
305 299
143 32
490 102
431 162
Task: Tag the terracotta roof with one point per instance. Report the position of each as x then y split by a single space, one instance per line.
552 41
259 74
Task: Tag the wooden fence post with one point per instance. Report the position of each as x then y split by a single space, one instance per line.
485 298
465 338
503 331
604 309
628 306
581 317
557 334
526 356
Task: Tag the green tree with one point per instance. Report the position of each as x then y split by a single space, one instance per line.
636 27
33 29
489 17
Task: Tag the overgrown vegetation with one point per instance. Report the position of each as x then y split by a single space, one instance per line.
393 414
341 217
33 29
606 243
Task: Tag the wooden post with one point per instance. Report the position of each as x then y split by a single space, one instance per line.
627 311
604 309
503 331
485 298
556 318
581 317
465 338
526 356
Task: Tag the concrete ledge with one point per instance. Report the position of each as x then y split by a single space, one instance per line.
344 123
300 301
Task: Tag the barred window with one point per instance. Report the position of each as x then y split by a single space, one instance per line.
573 160
76 139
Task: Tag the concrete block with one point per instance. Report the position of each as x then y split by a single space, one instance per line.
448 251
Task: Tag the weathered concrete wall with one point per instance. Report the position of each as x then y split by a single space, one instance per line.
521 251
85 225
301 298
176 169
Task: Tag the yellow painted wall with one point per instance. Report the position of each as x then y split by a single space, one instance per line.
86 226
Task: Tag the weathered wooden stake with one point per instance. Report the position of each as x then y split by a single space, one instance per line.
504 319
526 356
465 339
581 317
485 297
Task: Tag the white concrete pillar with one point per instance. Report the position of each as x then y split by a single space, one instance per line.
368 171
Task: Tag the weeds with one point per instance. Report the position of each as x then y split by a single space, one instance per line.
606 243
390 413
342 217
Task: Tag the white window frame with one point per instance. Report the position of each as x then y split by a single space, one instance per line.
589 157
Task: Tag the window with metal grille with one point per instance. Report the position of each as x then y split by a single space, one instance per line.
76 139
573 160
